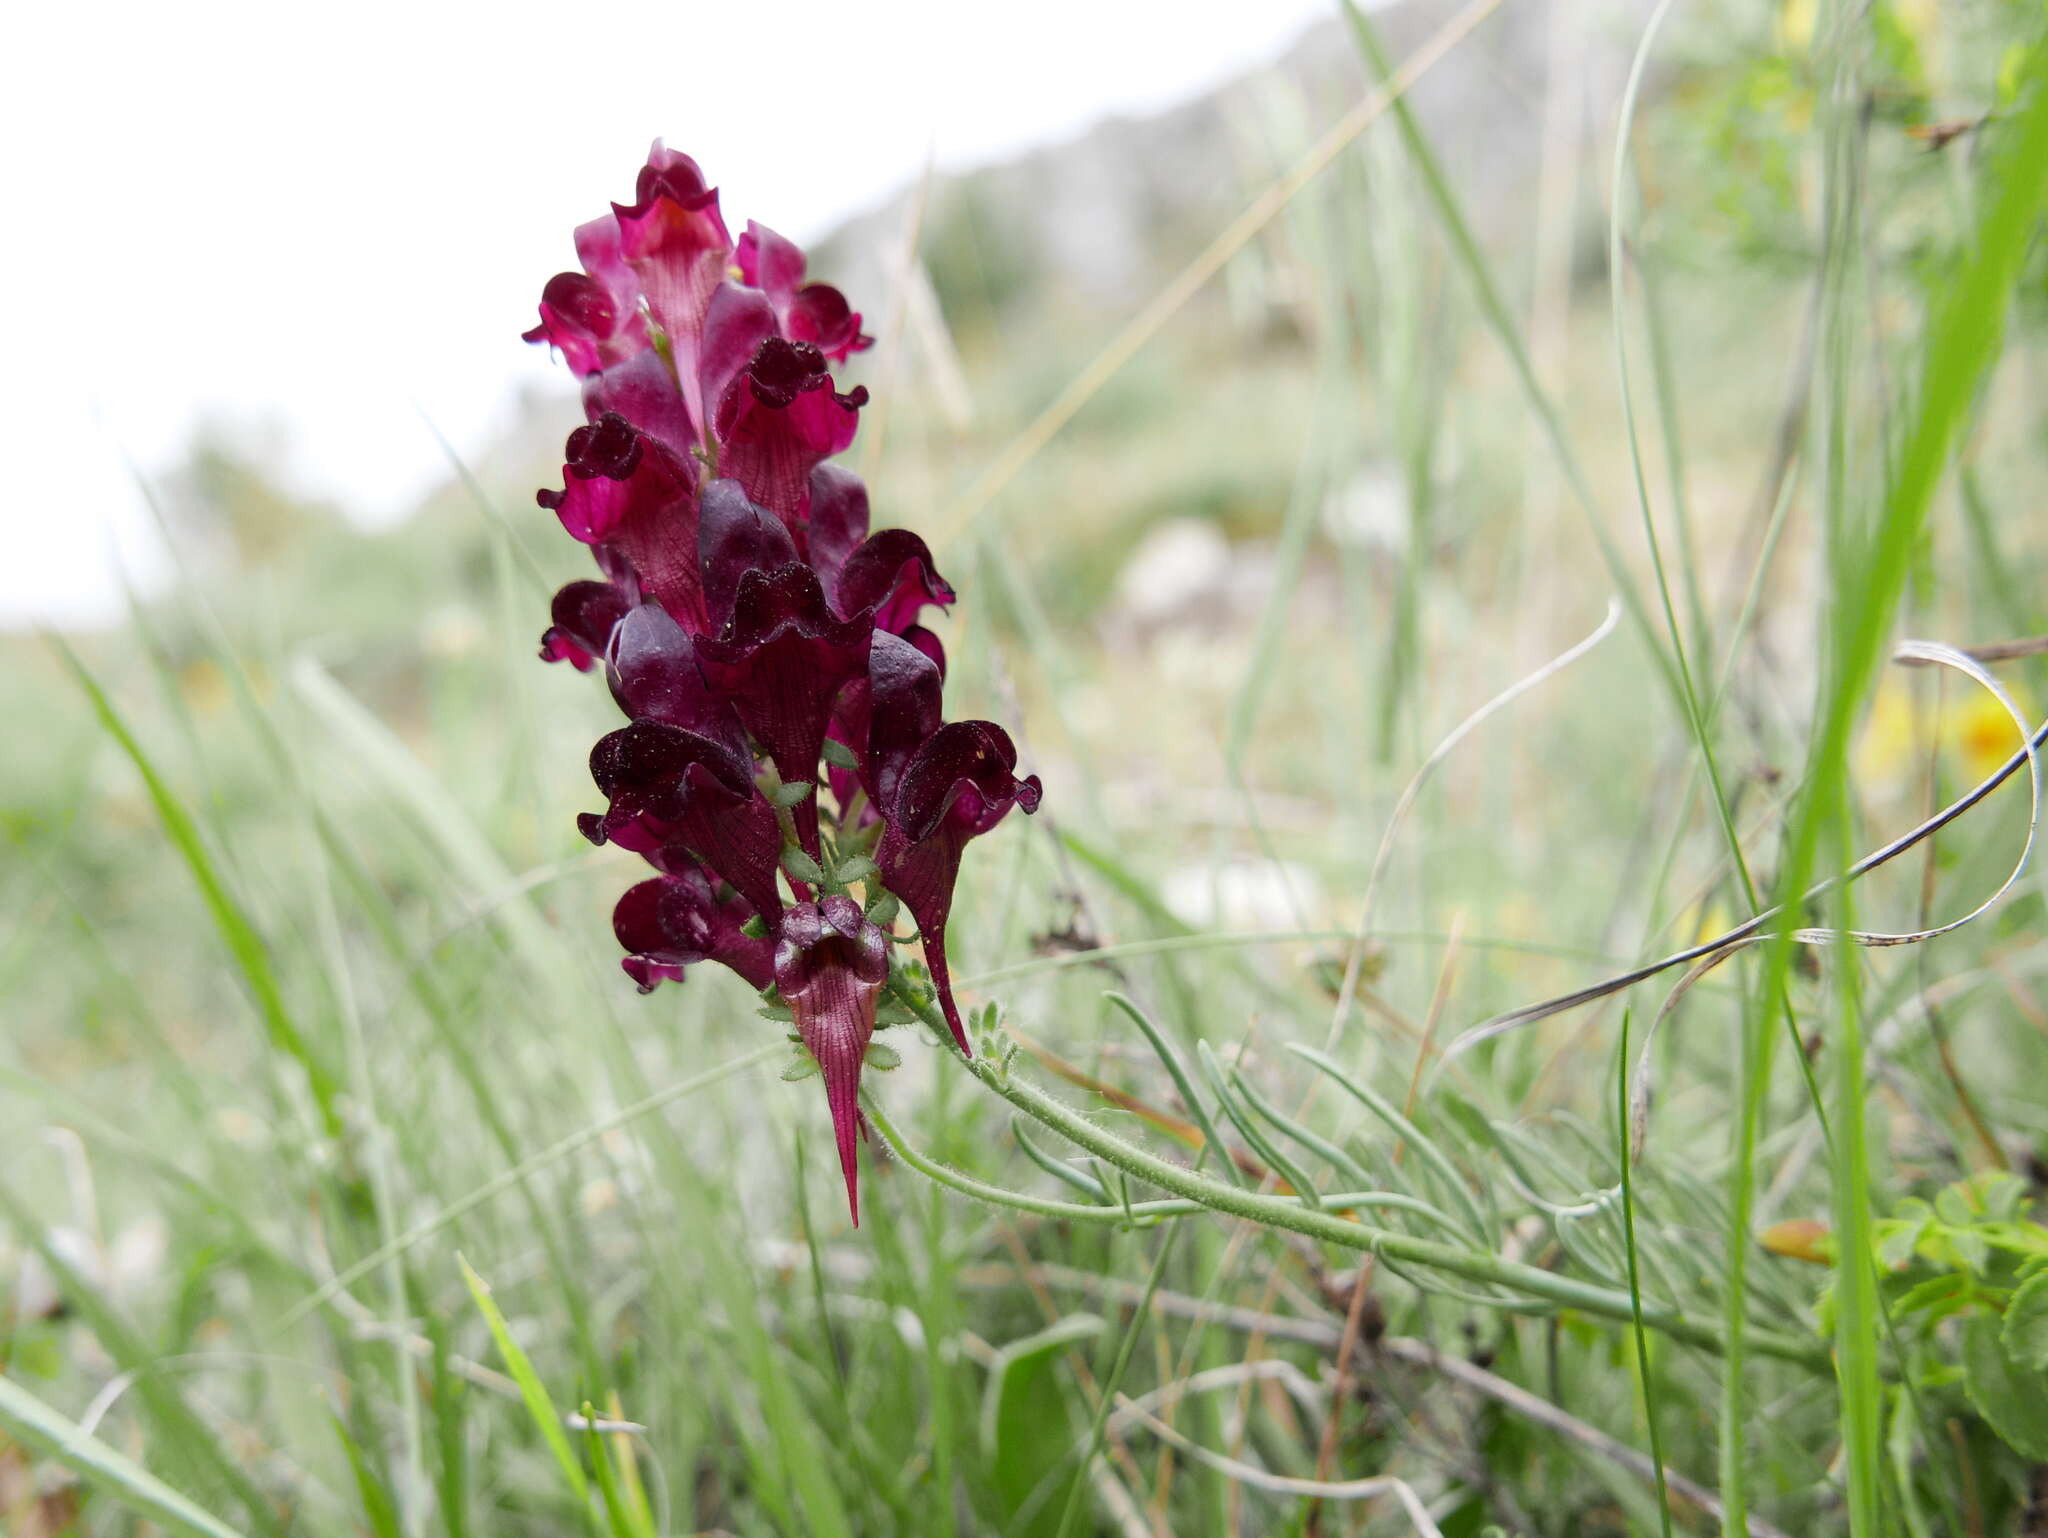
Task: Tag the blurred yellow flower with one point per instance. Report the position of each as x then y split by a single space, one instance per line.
1795 24
1976 734
1982 733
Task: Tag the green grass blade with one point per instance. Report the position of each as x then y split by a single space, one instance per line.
1493 305
1624 1138
546 1419
378 1510
178 1427
1963 338
35 1425
251 955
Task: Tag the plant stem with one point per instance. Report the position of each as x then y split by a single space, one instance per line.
1280 1212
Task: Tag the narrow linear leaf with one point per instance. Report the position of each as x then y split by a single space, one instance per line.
252 956
377 1508
531 1389
34 1424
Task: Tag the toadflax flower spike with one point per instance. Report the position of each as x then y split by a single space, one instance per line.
756 634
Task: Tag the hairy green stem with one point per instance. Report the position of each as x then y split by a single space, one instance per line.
1122 1215
1283 1212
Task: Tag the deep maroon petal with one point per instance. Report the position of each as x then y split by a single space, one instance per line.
779 371
630 493
584 614
735 537
782 662
959 784
891 576
902 711
738 322
668 786
593 316
922 875
927 643
821 316
643 390
654 677
964 776
578 316
816 313
838 522
830 965
675 921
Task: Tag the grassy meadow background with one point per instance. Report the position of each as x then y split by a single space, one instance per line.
311 997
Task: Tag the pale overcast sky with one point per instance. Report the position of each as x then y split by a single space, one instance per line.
339 216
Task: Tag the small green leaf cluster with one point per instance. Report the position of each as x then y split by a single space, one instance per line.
1974 1257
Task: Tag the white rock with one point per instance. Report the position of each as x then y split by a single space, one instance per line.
1242 894
1177 565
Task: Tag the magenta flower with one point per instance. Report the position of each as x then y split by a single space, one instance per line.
807 312
758 638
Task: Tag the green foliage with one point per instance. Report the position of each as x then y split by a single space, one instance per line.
1964 1280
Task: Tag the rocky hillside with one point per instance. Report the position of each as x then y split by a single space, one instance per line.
1102 216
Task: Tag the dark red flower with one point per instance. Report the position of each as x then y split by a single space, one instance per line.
633 499
807 312
584 614
593 316
778 418
673 922
675 240
936 785
830 965
889 574
668 786
746 615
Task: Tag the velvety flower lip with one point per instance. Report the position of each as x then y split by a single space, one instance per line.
632 497
782 660
652 667
959 784
578 315
965 775
677 920
838 520
830 965
892 577
668 786
890 574
779 652
778 418
735 536
898 709
781 370
807 312
584 614
593 316
612 473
